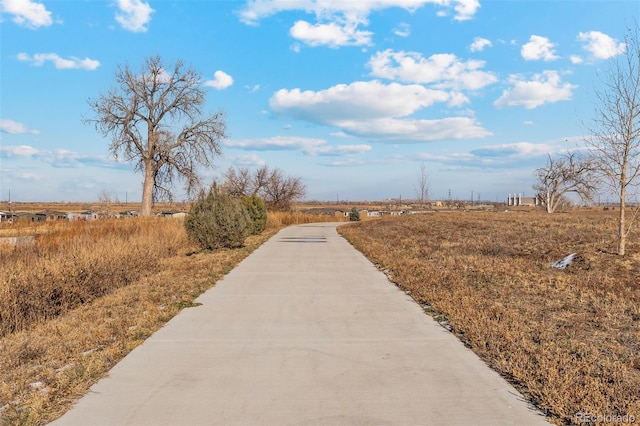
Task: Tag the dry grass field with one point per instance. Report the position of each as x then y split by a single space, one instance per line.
568 339
86 293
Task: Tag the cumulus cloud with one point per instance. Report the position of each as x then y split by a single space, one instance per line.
479 44
600 45
331 34
375 110
538 48
27 13
338 21
60 63
444 71
362 99
221 80
134 15
544 88
309 146
15 128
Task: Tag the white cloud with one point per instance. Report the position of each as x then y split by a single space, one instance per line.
255 10
15 128
538 48
134 15
24 151
375 110
465 9
248 160
575 59
445 71
28 13
503 156
544 88
402 30
221 80
331 34
479 44
60 63
513 150
309 146
58 157
362 99
415 130
338 21
600 45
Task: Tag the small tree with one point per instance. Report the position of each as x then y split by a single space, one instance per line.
217 220
422 189
154 119
278 191
257 211
615 130
562 175
354 215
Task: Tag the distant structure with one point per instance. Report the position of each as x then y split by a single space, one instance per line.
519 200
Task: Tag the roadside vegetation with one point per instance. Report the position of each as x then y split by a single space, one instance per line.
567 339
86 293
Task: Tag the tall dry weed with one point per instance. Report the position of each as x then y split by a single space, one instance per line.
79 262
277 220
569 339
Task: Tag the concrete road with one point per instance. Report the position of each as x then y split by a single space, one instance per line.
305 331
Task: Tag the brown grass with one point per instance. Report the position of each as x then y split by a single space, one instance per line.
84 296
568 339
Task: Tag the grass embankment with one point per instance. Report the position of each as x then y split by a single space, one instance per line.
86 293
568 339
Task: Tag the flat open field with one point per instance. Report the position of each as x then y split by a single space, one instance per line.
568 339
83 294
82 297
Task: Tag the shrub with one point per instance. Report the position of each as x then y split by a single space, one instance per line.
217 220
257 211
354 215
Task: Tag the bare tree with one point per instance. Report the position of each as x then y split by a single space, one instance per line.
238 182
105 202
615 129
281 191
277 190
562 175
422 189
154 119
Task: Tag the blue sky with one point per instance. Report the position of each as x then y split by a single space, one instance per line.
353 96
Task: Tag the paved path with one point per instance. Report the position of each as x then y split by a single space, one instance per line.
305 331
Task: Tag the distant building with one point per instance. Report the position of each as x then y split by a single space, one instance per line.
518 200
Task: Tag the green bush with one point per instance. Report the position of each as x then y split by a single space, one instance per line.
354 215
217 220
257 213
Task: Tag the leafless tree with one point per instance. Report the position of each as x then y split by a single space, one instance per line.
154 119
281 191
277 190
238 182
422 189
567 173
614 133
105 202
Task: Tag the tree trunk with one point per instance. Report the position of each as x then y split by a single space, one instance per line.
147 190
622 235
